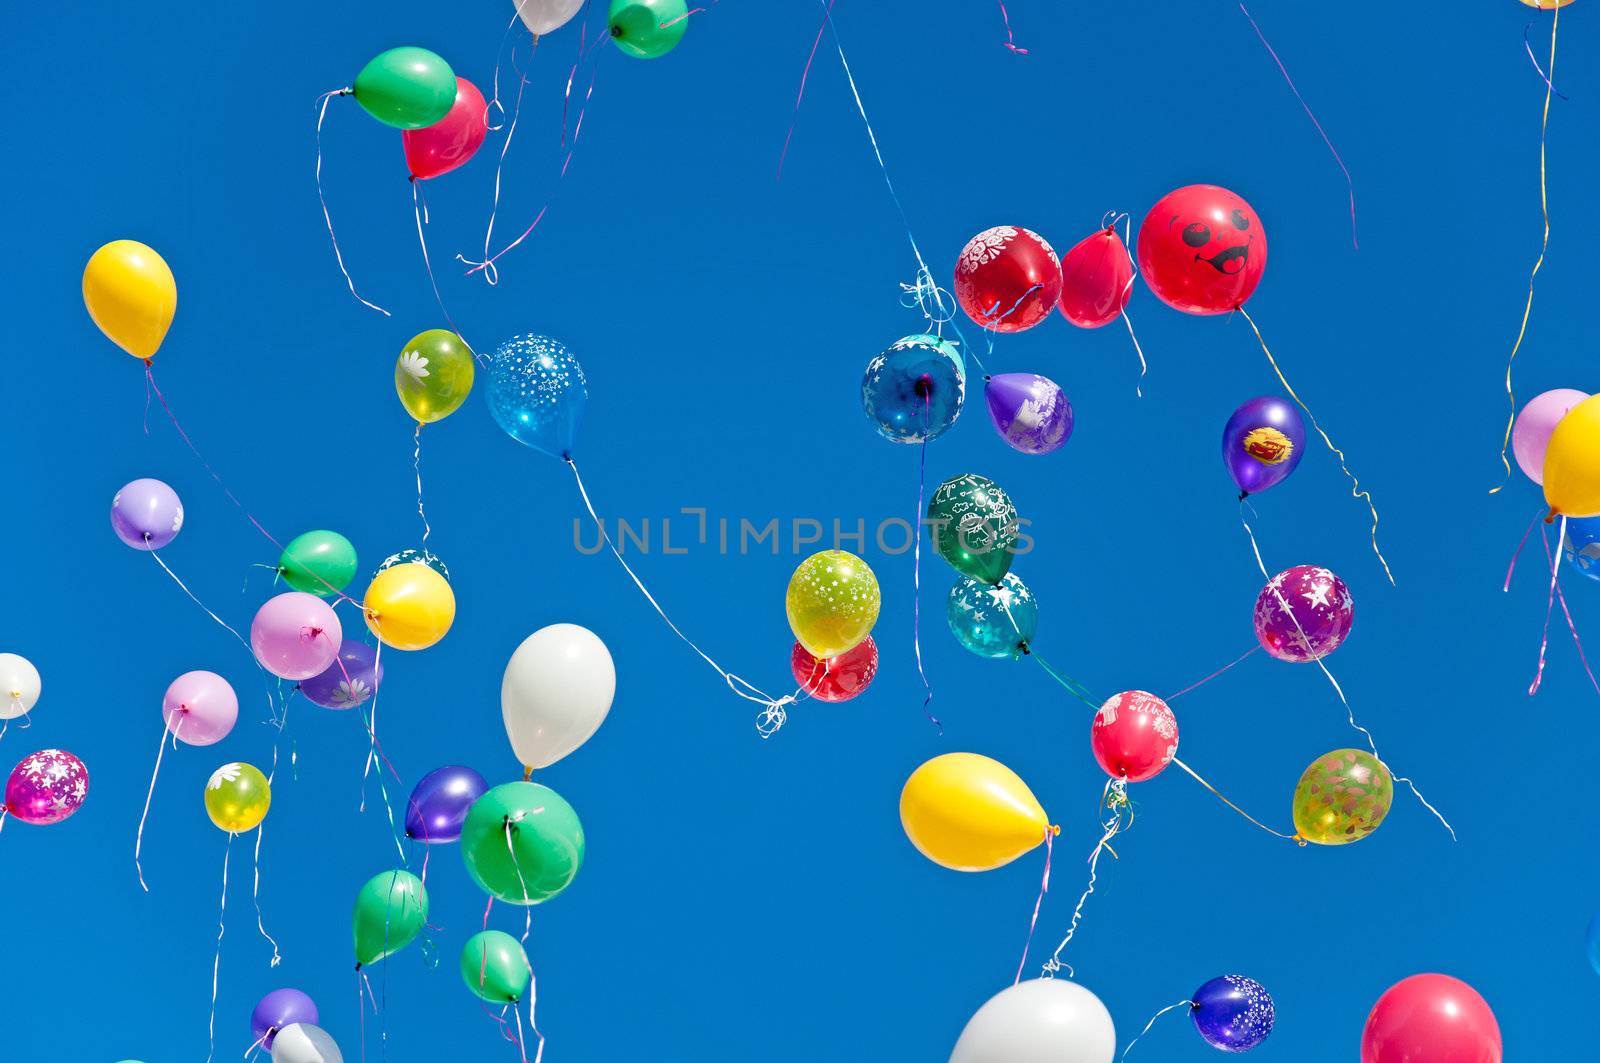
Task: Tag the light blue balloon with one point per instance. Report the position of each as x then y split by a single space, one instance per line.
992 621
913 391
1582 545
537 393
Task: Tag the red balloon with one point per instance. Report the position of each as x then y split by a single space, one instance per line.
1134 736
1007 278
453 139
835 678
1202 250
1096 280
1431 1018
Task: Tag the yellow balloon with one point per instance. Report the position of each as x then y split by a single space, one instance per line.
832 602
409 606
1546 3
131 296
970 813
1572 462
433 375
1342 797
237 797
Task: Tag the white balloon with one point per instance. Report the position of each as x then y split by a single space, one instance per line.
556 692
543 16
304 1043
1045 1020
19 686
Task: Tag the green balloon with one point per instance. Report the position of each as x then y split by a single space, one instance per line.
647 29
544 849
318 562
494 966
408 88
391 910
974 526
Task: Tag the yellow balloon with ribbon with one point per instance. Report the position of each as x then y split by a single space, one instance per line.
131 296
433 375
832 602
969 812
237 797
409 606
1572 462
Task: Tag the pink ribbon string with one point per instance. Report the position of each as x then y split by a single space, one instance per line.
1550 604
1571 627
1537 517
1010 41
1044 887
322 113
800 95
1213 675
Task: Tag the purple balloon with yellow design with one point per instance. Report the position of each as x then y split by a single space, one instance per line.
1262 443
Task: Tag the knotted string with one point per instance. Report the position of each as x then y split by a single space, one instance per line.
1010 42
1116 816
1213 675
255 893
322 113
1044 887
1356 490
216 960
1571 627
1152 1022
1549 606
1544 246
801 94
416 465
138 837
916 568
1218 793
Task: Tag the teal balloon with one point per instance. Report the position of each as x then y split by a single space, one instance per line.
408 88
495 967
647 29
522 843
992 621
390 911
537 393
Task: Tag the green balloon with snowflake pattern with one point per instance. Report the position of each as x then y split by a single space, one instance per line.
1342 797
433 375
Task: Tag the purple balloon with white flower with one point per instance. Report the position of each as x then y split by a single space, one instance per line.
1232 1013
47 787
146 514
352 679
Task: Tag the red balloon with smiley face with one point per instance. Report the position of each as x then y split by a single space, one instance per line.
1202 250
1008 278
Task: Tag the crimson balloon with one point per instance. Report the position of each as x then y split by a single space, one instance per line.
1431 1018
1008 278
835 678
1134 736
1202 250
453 139
1096 280
1303 613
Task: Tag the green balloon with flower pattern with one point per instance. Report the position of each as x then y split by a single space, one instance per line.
974 526
1342 797
433 375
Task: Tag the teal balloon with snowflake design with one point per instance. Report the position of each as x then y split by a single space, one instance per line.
990 620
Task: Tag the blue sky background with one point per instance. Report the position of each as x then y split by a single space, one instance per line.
758 900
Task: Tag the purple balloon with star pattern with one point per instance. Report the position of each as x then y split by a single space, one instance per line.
1030 412
1232 1013
1303 613
47 787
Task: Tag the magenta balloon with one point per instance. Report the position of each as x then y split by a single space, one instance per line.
146 514
1535 423
47 787
295 635
200 708
1320 612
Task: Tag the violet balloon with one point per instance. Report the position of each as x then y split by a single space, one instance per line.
439 804
295 635
350 680
1535 423
47 787
1030 412
278 1009
200 708
1262 443
1303 613
1232 1013
146 514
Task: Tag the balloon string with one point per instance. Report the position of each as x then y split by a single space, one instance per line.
375 755
216 960
499 55
801 94
1356 490
255 1046
1152 1022
1044 887
1116 816
1010 41
1127 289
255 894
1348 180
1350 715
1549 607
138 837
1213 675
1236 808
1544 246
916 567
491 275
1072 687
1571 627
1535 61
192 597
1520 544
527 927
322 102
419 210
416 465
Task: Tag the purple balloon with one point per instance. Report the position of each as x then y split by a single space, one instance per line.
1262 443
1029 411
1232 1013
1538 419
1318 617
280 1008
439 804
349 681
146 514
47 787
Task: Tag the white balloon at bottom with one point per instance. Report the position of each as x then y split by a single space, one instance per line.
1045 1020
304 1043
556 692
19 686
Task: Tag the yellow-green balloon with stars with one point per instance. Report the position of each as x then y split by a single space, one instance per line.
433 375
1342 797
832 602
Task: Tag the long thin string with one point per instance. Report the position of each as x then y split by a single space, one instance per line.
1537 517
194 598
916 569
138 837
216 960
1152 1022
1111 218
1010 42
1213 675
490 274
1044 887
255 895
322 113
374 756
1348 180
1544 246
801 94
1073 688
527 927
1236 808
1549 606
1528 47
1356 490
419 209
416 465
1350 715
1571 627
1116 817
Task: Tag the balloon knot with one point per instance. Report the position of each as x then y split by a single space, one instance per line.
1299 841
527 773
1055 830
148 363
1550 518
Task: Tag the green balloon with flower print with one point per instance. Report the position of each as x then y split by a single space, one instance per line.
433 375
1342 797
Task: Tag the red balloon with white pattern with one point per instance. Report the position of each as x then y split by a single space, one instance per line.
1008 278
1303 613
1202 250
47 787
1134 736
1096 280
835 678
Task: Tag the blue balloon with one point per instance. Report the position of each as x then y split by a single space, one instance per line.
990 620
913 391
1262 443
537 393
439 803
1232 1013
1594 944
1582 545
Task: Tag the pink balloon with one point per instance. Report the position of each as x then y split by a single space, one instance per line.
200 708
47 787
295 635
1430 1018
1531 434
453 139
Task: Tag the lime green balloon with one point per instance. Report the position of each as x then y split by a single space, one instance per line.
494 966
433 375
391 910
647 29
974 526
408 88
319 562
544 850
1342 797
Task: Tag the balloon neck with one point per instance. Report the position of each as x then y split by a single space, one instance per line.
1550 518
148 363
1023 646
1054 830
1299 841
1243 495
358 966
924 386
527 773
616 31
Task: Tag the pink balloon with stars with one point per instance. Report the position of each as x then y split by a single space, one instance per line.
47 787
1303 613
